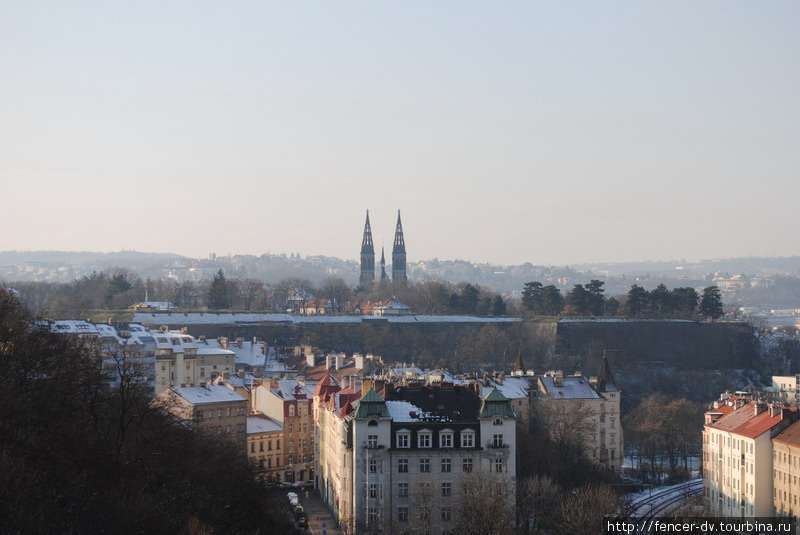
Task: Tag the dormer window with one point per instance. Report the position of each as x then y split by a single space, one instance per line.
446 439
498 421
468 439
403 439
424 439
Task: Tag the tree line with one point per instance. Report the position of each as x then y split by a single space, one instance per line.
589 300
77 456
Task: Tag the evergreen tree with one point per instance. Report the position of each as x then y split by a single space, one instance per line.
711 303
577 298
660 301
637 301
532 297
552 301
594 297
218 297
498 306
469 299
684 301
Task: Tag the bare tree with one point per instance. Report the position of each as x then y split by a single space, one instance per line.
537 501
583 510
485 507
336 290
570 423
421 499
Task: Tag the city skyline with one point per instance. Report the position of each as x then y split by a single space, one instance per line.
550 134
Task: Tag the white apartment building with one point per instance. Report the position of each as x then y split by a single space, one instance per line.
180 360
395 465
738 456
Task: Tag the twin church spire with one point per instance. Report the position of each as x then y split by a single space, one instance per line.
367 278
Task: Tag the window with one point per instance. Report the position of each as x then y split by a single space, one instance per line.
424 465
373 466
402 490
402 514
291 410
373 514
403 439
447 489
467 465
402 465
372 441
447 514
497 441
261 446
373 490
613 438
446 440
498 465
252 447
291 428
498 421
468 439
424 439
446 465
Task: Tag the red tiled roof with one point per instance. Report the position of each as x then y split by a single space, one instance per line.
790 435
746 423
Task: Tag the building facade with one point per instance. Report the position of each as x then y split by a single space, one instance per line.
584 410
212 408
264 441
396 465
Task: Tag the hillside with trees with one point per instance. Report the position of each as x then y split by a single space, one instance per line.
77 456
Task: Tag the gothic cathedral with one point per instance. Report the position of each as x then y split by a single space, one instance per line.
367 278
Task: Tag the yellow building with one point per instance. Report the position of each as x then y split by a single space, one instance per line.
264 446
213 408
180 361
786 471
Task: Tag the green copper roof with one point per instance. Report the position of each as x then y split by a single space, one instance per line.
371 404
495 404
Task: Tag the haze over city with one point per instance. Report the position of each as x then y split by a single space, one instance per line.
516 132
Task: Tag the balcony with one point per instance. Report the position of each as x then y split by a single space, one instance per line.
495 445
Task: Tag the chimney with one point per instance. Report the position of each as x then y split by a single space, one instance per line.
500 379
310 360
240 342
358 358
774 410
223 342
339 361
329 361
760 407
739 403
366 385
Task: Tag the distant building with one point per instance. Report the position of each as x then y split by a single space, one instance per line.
180 360
213 408
145 306
594 406
399 265
392 307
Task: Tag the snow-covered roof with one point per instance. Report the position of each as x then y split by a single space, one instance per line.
289 389
249 354
408 371
623 320
512 388
213 351
73 327
575 387
400 411
199 395
262 424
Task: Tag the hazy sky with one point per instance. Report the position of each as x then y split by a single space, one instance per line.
554 133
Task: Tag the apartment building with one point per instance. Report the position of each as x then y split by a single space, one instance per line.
785 473
264 440
290 403
590 406
393 463
180 360
213 408
738 456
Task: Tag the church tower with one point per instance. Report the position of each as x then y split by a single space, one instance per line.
384 276
367 278
399 253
